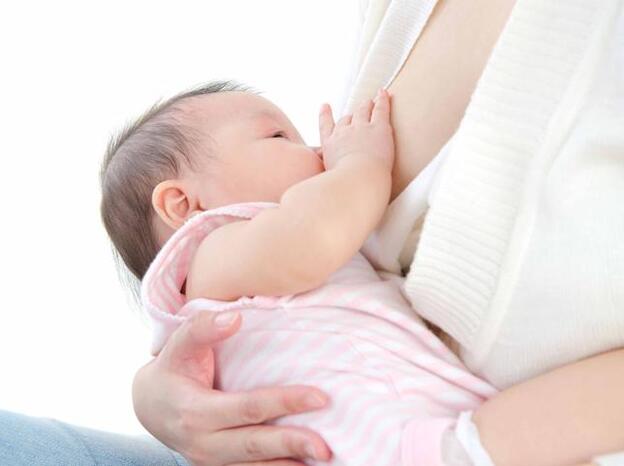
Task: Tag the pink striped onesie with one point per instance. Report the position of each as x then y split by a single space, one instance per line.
394 387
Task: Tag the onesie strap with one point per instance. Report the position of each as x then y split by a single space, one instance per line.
161 286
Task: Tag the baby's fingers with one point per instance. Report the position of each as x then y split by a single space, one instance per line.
363 113
381 110
326 122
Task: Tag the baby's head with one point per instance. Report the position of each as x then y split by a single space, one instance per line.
216 145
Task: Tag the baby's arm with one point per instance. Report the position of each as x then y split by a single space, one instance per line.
320 223
566 416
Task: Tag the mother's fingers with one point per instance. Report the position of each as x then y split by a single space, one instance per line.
199 333
271 463
262 443
229 410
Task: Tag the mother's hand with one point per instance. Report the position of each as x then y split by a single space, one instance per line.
174 400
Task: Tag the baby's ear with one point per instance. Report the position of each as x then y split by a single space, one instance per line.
174 202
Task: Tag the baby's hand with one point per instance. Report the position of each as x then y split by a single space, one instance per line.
366 133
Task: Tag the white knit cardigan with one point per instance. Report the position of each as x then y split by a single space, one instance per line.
521 256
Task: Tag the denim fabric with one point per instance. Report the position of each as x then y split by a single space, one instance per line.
30 441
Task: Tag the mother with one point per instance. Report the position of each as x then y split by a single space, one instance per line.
519 186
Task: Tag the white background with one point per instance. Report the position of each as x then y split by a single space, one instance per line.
72 74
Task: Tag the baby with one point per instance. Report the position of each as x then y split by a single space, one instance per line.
215 202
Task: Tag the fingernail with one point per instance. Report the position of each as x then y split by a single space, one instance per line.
315 401
225 319
310 451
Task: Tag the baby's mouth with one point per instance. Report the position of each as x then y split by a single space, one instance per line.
317 151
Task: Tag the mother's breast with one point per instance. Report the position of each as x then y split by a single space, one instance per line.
433 88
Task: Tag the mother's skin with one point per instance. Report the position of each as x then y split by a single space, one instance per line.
433 88
172 394
574 412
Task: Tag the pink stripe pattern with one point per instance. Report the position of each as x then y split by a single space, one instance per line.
394 387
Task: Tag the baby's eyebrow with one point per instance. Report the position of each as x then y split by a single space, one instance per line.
265 114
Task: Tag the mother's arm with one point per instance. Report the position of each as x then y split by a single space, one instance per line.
563 417
566 416
174 399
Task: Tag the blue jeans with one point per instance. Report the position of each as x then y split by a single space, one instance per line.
30 441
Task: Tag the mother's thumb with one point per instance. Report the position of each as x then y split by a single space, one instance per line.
199 333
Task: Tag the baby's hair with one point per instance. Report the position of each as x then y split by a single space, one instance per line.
145 152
